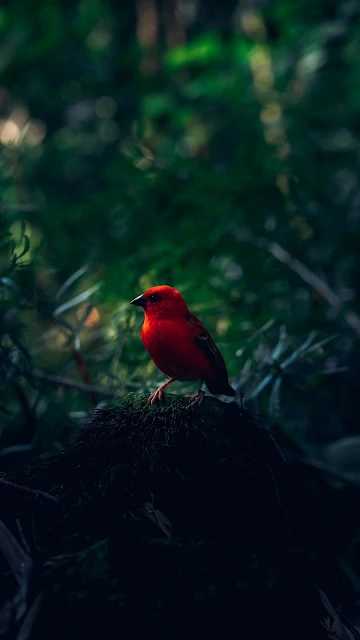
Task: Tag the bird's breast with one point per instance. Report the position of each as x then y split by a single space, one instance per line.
172 348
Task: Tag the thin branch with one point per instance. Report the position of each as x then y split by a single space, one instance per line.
29 618
12 490
85 374
18 561
323 289
67 382
320 466
305 274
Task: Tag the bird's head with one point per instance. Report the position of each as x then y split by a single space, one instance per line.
161 301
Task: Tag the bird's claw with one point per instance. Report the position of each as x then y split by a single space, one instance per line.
157 395
196 399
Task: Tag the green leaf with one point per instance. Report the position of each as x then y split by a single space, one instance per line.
204 50
75 276
157 104
26 247
77 300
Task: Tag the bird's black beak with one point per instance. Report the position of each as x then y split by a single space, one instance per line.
139 301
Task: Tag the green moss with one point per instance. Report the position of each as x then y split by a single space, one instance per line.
174 408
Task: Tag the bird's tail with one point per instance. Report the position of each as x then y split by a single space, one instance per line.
225 389
219 387
229 391
237 395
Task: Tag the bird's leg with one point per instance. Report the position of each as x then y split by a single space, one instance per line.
199 396
158 394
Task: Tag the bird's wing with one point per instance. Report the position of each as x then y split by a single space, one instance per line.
204 341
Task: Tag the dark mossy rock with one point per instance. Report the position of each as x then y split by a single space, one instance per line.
169 521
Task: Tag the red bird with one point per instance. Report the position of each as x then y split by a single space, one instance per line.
180 346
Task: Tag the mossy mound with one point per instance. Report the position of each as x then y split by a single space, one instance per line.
169 522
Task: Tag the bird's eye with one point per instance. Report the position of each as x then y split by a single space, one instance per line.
154 297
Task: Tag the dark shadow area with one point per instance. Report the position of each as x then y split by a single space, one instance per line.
163 521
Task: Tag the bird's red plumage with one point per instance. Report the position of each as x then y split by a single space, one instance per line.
173 349
178 343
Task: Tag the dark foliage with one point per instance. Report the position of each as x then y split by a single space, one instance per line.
213 146
166 522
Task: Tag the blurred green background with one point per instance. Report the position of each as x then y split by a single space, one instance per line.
213 146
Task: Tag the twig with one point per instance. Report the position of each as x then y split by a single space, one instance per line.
305 274
11 488
19 562
323 289
314 281
320 466
67 382
22 536
29 618
85 375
